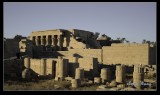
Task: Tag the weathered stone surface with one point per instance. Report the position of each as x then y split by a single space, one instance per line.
75 83
114 89
105 74
68 78
113 83
138 76
97 80
26 74
79 73
102 88
121 86
83 46
90 82
120 73
27 62
57 79
129 54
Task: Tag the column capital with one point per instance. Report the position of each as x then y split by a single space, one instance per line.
59 36
53 37
36 37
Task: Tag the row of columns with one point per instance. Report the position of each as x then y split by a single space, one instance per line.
138 75
42 66
49 40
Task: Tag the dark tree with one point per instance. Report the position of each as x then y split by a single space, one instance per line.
118 38
123 39
144 41
96 34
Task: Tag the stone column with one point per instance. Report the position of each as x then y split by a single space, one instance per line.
37 41
75 83
27 62
49 40
105 74
75 59
42 40
61 66
53 41
138 76
65 41
79 74
43 66
60 42
26 74
33 39
73 66
46 40
120 73
97 80
57 69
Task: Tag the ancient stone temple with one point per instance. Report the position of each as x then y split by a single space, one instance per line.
64 39
79 54
82 45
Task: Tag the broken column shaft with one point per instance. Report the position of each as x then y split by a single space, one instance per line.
79 74
62 67
120 73
105 74
75 83
97 80
138 76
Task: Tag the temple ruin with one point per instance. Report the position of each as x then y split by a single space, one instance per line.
81 55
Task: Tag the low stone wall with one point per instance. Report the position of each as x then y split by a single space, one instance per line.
36 65
83 53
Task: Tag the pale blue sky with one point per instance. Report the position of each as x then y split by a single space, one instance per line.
134 21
